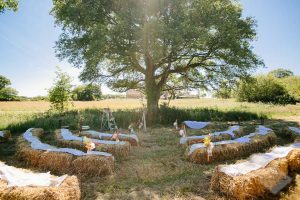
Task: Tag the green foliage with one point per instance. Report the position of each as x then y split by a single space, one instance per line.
60 93
8 4
263 89
4 82
224 91
133 44
292 84
281 73
87 93
8 94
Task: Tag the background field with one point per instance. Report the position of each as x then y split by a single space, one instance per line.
288 112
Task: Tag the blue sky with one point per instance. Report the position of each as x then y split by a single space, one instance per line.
27 40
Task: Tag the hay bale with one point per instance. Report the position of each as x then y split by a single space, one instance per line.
258 184
119 150
91 165
60 162
68 190
233 150
294 160
132 141
214 138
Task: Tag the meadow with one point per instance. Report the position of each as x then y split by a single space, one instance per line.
157 168
15 113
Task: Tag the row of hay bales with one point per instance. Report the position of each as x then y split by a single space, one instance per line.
131 138
118 149
61 162
233 132
226 151
259 181
71 160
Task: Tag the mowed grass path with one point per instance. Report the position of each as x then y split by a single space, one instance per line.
273 111
157 169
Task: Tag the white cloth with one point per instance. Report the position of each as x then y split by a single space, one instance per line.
257 161
230 131
195 124
18 177
1 134
122 136
295 129
68 135
182 133
37 144
261 130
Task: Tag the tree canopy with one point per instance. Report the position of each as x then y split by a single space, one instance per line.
140 44
9 5
4 82
281 73
88 92
60 93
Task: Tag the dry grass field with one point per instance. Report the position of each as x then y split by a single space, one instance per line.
273 111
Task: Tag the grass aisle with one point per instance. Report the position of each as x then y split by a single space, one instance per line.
155 170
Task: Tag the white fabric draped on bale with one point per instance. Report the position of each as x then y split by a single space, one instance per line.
195 124
261 130
38 145
257 161
18 177
295 129
230 131
101 135
68 135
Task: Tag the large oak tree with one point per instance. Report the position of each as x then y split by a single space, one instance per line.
141 43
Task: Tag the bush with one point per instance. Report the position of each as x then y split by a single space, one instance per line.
8 94
89 92
264 89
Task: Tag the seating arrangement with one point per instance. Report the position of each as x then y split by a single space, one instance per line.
230 133
66 160
229 149
16 183
131 138
260 176
67 139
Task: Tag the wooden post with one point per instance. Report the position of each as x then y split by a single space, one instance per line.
144 120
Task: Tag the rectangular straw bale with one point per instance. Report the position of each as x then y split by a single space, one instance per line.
68 190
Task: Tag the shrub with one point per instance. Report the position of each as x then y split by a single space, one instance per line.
8 94
263 89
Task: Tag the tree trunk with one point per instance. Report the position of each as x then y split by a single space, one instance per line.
153 95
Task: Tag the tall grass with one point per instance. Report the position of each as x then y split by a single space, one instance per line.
18 122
